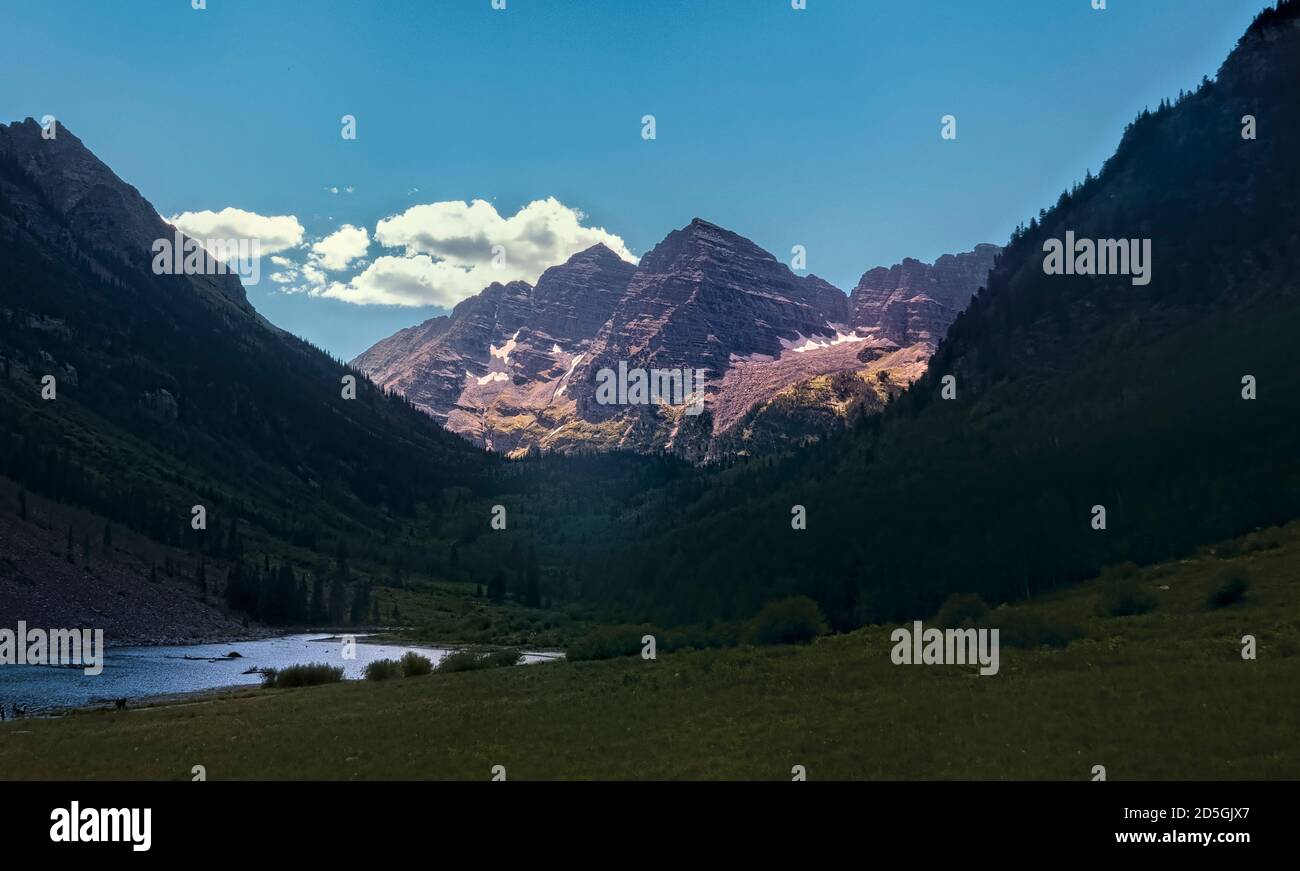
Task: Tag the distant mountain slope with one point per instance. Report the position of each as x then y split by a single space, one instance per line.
901 313
387 356
1072 391
516 367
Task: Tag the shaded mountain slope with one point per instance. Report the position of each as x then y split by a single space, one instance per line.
1071 392
171 390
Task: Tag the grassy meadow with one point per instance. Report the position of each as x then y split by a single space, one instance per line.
1163 694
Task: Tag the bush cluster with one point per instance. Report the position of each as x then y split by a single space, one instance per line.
301 675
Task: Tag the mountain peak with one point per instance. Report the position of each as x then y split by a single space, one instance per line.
65 169
110 218
698 227
596 253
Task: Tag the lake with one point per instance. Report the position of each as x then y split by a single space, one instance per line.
135 673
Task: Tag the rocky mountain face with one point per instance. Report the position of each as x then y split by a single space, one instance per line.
496 370
518 367
785 358
705 295
914 302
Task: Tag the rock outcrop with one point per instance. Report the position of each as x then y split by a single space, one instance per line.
914 302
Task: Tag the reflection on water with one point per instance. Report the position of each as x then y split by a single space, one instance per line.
137 672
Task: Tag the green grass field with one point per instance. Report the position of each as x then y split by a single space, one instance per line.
1162 695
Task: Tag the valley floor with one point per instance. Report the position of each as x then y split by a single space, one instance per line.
1162 695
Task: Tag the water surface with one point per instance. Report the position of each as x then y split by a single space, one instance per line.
135 673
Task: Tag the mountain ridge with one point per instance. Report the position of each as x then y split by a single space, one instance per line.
704 298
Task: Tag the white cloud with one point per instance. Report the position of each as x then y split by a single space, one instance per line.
275 232
410 281
314 275
451 251
337 250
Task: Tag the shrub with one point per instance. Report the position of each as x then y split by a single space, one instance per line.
700 637
1269 539
301 675
383 669
1229 590
961 609
607 642
796 620
472 660
1021 629
1229 549
415 665
1125 598
459 660
502 658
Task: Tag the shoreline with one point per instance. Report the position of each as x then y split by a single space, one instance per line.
172 699
363 635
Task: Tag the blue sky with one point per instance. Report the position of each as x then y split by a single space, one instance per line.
817 127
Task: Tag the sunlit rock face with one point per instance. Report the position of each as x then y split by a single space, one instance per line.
516 367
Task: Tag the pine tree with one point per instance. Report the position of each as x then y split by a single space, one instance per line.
108 537
300 602
241 588
70 559
497 586
22 504
338 600
532 581
360 603
234 547
319 611
518 578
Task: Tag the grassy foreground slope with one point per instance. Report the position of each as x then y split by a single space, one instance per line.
1165 694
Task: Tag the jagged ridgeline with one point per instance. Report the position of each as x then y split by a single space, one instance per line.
1071 392
784 358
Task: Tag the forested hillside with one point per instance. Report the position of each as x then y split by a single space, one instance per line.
1071 392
